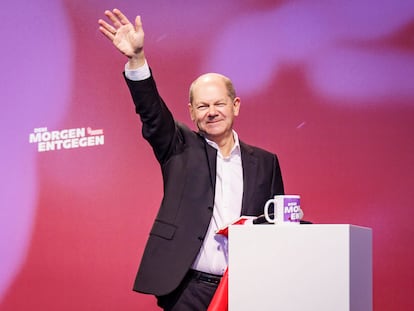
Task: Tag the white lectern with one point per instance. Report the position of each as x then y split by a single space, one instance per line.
300 267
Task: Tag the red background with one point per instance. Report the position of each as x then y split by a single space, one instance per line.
326 85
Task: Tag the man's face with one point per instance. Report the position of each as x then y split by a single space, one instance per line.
212 110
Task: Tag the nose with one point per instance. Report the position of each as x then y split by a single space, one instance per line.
212 111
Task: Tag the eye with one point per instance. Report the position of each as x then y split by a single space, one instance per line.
220 104
202 107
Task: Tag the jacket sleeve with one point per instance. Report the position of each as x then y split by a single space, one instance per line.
158 125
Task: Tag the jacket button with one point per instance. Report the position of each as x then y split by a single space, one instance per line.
201 238
210 208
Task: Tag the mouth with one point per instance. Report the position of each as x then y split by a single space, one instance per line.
213 121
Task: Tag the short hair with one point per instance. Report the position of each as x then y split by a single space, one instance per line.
231 92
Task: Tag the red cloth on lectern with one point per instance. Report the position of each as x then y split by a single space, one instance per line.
220 301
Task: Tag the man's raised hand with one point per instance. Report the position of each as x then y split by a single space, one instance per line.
127 38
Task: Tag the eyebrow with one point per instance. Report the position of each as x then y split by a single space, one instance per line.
220 101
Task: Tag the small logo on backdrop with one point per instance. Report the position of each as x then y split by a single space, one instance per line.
66 139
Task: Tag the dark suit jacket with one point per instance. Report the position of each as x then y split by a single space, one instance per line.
188 166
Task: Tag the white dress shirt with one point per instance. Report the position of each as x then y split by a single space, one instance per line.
213 255
138 74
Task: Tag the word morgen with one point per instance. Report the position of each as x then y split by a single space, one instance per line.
66 138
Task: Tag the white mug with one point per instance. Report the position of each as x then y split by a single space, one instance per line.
286 209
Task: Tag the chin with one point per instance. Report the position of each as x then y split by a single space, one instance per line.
214 132
213 135
214 129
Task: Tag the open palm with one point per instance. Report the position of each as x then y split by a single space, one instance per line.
127 38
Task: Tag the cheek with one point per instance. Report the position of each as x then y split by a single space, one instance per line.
194 116
199 117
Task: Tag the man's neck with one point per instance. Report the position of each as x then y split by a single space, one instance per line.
225 144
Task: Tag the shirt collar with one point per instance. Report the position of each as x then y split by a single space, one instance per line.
236 147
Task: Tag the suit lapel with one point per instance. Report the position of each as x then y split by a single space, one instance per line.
249 163
212 163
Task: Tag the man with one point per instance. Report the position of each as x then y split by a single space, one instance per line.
210 177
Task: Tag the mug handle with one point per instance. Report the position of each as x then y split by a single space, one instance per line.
266 211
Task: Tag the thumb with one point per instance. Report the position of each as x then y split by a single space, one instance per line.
138 24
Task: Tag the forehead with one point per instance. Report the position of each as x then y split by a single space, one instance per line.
210 88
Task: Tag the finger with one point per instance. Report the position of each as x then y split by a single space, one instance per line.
113 18
138 23
107 27
122 18
106 33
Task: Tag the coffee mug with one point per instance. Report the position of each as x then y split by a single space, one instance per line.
286 209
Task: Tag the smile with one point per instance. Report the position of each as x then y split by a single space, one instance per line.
213 121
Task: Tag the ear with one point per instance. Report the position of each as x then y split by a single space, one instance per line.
191 111
236 106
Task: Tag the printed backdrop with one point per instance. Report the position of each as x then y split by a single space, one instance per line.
327 85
